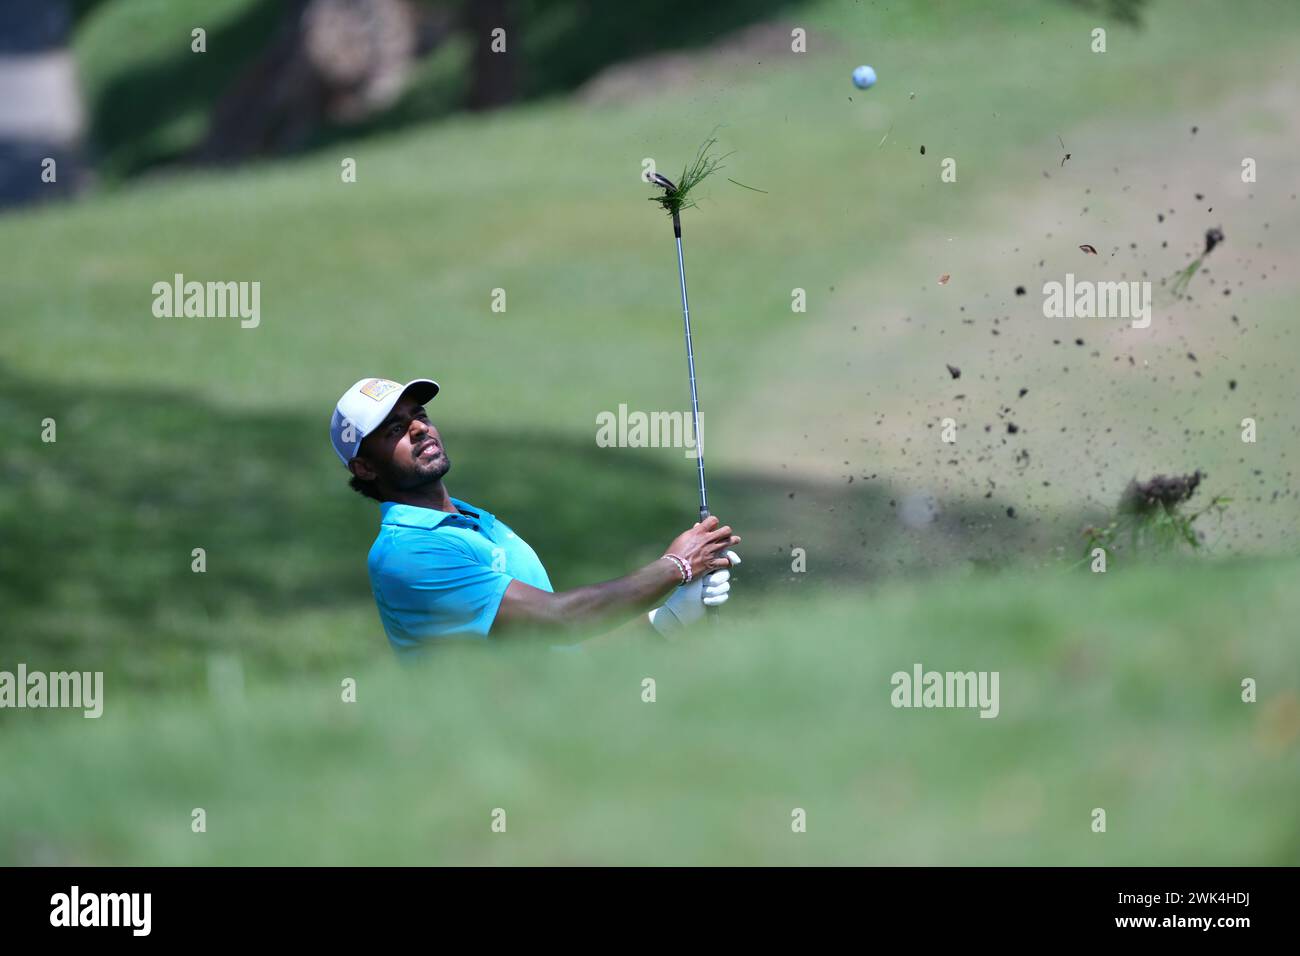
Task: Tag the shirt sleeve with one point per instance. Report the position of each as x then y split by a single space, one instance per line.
432 586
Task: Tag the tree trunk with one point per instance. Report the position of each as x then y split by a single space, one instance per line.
494 75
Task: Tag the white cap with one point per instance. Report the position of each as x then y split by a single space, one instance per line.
364 407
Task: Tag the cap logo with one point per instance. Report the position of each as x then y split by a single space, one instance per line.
377 388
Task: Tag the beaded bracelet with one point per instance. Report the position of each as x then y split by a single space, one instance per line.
683 568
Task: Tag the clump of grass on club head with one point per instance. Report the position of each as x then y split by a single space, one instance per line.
1152 519
1184 276
704 165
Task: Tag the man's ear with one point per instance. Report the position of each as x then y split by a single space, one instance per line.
361 469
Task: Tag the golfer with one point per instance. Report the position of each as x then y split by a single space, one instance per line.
442 569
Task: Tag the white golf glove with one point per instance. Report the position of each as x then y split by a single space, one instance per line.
686 605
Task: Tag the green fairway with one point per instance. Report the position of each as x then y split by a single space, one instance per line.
1116 692
1119 691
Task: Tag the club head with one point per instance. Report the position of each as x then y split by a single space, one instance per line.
662 181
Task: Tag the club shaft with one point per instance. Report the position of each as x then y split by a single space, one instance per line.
690 366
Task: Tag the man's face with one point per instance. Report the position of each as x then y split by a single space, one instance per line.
404 452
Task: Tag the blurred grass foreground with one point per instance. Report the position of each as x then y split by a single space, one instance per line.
1116 692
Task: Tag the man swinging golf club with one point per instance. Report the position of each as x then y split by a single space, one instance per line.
443 569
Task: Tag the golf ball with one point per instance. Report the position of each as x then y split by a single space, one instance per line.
864 77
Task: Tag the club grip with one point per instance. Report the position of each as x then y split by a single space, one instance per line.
712 612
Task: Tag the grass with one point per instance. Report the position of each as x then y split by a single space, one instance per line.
704 165
1155 517
1116 691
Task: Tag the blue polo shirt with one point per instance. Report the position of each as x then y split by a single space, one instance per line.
438 575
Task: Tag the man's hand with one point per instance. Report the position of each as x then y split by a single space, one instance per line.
703 545
686 605
579 612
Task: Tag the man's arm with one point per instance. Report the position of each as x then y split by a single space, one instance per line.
586 609
589 610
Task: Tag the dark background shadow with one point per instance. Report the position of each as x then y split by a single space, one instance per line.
98 527
553 47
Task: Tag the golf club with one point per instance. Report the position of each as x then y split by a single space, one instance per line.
667 184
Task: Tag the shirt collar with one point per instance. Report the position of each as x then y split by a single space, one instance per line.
413 516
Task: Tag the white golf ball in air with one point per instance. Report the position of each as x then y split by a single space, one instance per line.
864 77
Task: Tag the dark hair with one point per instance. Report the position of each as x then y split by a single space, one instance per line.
367 488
